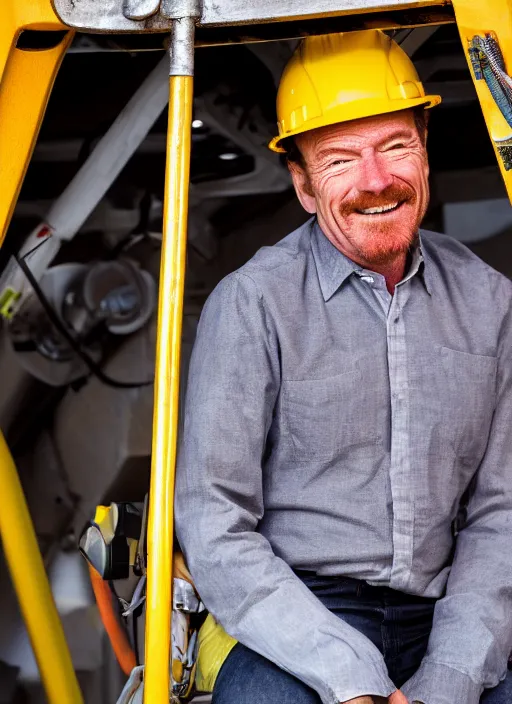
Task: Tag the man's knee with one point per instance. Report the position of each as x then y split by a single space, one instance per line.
248 678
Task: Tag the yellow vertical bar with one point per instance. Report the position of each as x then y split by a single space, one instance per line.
32 588
165 432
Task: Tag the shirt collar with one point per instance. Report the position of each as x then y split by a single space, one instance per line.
417 260
428 264
334 268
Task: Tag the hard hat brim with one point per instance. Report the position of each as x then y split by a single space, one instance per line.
346 113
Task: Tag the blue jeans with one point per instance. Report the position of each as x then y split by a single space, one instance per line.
398 624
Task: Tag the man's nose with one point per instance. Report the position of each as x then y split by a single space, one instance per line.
374 176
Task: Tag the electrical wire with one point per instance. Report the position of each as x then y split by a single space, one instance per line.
34 249
75 345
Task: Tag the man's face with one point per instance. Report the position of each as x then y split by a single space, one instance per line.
367 181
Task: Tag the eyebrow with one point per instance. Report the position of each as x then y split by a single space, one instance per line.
336 151
402 134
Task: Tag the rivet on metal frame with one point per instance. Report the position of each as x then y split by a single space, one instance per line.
140 9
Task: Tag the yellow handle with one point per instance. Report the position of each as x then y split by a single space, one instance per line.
32 588
167 373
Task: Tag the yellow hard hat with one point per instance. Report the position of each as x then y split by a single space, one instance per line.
340 77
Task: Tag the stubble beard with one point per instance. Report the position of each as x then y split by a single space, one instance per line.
384 242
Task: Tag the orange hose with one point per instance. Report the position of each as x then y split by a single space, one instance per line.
118 639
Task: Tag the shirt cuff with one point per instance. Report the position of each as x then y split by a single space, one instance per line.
370 680
435 683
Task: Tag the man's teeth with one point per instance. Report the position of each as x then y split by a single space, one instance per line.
379 209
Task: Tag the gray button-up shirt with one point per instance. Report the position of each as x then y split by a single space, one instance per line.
334 428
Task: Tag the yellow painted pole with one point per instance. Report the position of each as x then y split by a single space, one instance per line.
167 373
32 588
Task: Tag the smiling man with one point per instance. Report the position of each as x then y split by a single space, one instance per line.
344 494
367 182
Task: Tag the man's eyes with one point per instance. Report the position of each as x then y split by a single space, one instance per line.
340 162
344 161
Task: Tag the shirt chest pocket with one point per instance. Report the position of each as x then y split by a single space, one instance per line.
323 418
467 391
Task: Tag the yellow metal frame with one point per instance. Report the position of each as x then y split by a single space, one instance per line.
32 588
26 80
18 15
478 18
26 85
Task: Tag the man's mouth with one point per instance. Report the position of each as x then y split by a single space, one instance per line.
380 209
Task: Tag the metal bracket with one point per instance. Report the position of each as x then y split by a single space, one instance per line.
178 9
137 16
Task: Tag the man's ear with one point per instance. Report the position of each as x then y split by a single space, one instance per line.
302 187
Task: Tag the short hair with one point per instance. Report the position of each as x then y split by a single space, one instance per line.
294 156
421 117
293 153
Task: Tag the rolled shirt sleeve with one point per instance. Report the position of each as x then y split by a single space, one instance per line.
233 384
471 637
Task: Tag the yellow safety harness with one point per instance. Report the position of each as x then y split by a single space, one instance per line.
113 544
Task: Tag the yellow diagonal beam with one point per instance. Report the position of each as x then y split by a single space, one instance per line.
479 18
24 91
17 15
32 588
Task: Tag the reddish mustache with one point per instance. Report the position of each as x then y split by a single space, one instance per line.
393 194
